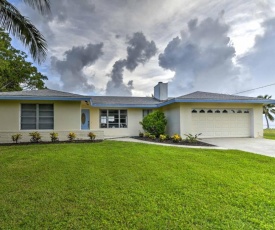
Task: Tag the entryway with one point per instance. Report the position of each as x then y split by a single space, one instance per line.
85 119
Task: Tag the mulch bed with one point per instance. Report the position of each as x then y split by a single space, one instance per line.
198 143
49 142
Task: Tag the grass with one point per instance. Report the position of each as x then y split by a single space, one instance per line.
117 185
269 134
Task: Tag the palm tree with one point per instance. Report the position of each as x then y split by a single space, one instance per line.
268 110
20 27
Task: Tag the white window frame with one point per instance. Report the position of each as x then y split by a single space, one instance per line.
106 119
37 116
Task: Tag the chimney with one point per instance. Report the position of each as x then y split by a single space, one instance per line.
161 91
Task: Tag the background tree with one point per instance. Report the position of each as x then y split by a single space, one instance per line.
154 123
16 73
268 109
19 26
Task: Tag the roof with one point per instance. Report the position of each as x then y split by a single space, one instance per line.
206 95
130 102
43 94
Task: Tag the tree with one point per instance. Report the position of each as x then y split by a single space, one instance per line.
268 110
19 26
16 73
154 123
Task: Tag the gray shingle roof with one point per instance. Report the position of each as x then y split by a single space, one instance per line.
114 100
217 96
41 94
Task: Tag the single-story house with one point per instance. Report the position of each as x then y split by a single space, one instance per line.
212 114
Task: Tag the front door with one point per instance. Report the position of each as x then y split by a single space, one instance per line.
85 119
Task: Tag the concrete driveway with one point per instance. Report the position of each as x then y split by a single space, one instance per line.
254 145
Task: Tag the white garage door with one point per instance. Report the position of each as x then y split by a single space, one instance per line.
221 122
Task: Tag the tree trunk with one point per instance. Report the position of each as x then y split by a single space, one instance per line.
266 121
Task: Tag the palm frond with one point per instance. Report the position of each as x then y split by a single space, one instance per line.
43 6
20 27
270 117
260 96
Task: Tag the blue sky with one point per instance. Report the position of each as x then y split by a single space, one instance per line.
218 46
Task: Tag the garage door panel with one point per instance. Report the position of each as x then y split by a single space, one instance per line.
231 124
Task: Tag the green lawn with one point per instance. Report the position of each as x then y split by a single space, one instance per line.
117 185
269 134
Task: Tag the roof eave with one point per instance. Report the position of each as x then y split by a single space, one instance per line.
124 106
243 101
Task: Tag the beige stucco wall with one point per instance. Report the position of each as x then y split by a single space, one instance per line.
66 119
133 127
172 113
67 115
256 116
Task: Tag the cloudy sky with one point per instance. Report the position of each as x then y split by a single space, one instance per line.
124 47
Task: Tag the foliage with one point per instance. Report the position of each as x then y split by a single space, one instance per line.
146 134
140 134
176 138
153 137
162 137
192 139
54 137
154 123
99 186
269 134
35 137
268 109
20 27
71 136
91 135
16 73
16 137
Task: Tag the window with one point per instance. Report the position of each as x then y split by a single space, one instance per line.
202 111
113 118
209 111
194 111
145 112
37 116
225 111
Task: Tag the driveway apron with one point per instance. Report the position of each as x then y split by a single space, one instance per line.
254 145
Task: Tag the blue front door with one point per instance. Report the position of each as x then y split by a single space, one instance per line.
85 119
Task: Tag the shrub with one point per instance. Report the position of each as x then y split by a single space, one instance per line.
146 134
176 138
141 134
54 137
154 123
16 137
167 136
91 135
153 137
162 137
192 139
35 137
71 136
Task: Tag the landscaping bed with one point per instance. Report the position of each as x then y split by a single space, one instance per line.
50 142
170 141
